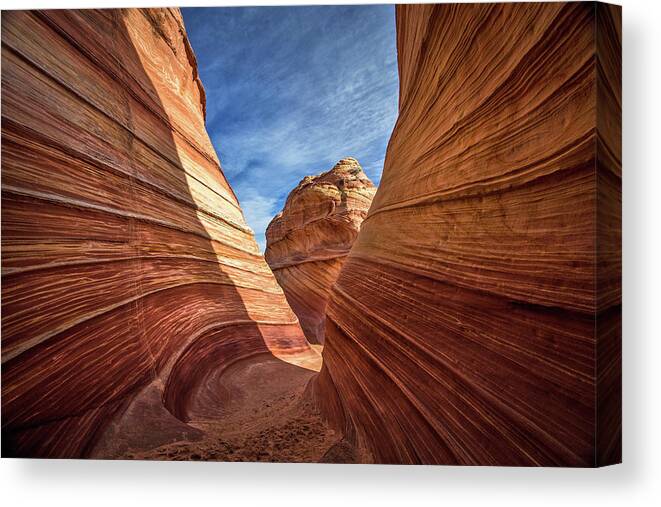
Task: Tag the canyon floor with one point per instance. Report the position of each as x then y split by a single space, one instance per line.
257 410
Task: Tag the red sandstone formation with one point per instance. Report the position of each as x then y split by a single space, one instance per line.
255 410
308 241
128 272
461 329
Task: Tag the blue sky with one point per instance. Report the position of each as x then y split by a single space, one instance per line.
291 90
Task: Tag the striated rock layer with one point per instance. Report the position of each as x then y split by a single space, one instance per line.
477 317
308 241
128 271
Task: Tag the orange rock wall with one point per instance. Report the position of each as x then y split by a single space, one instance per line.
461 329
308 241
125 255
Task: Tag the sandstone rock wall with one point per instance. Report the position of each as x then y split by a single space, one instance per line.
461 329
308 241
127 266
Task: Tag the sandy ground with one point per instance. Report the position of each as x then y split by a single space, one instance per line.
256 411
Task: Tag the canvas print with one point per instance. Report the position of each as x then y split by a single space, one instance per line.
325 234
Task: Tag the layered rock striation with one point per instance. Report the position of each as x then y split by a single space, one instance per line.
308 241
477 317
128 271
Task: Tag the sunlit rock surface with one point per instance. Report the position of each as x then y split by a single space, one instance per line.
461 329
308 241
128 271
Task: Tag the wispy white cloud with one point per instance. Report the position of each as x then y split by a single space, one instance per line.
258 211
291 90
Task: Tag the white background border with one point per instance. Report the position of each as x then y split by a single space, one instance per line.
636 482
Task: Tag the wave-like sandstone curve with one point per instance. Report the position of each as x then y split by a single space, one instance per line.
128 270
477 317
308 241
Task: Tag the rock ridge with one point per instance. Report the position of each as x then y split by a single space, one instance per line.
129 274
307 242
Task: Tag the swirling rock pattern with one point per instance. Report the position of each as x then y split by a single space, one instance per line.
477 317
308 241
128 271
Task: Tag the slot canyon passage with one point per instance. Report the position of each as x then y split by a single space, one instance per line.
463 312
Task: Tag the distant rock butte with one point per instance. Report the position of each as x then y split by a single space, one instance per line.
477 318
307 242
129 274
